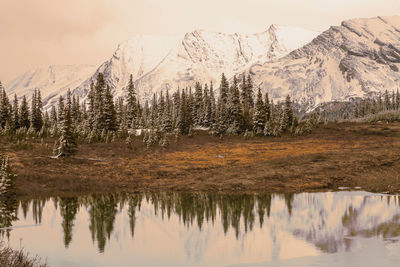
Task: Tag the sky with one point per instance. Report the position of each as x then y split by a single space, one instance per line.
38 33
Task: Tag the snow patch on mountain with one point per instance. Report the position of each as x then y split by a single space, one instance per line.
360 58
52 81
159 63
197 56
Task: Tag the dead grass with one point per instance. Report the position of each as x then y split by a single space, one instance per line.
18 258
347 154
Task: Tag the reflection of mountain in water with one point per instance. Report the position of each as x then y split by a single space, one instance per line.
326 220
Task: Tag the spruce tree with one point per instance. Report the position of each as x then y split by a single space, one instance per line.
267 107
387 101
5 108
109 114
167 116
181 123
154 112
223 115
15 113
53 115
190 109
36 111
234 109
131 107
246 107
207 108
213 105
99 93
223 89
91 107
250 91
259 115
60 111
24 121
198 104
160 109
7 178
67 143
176 107
287 116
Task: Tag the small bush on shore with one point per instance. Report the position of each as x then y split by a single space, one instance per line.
18 258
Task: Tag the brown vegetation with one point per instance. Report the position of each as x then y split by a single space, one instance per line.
346 154
18 258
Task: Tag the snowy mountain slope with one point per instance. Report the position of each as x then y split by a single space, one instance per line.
359 58
136 56
52 81
159 63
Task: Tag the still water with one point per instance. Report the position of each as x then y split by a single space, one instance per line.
174 229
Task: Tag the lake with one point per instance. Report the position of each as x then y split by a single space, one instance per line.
195 229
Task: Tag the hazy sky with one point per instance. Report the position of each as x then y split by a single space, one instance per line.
36 33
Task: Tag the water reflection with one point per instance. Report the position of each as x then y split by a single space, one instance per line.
327 221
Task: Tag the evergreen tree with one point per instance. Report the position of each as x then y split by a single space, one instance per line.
198 104
207 108
99 93
250 99
36 111
234 109
167 116
224 89
267 107
67 143
5 108
15 113
24 121
190 109
223 115
160 109
7 177
91 107
109 115
176 107
397 100
287 115
131 107
154 112
259 115
246 108
60 111
182 120
53 115
387 101
120 112
213 105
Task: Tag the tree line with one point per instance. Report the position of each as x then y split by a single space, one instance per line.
101 118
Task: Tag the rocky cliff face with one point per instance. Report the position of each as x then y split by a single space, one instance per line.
357 59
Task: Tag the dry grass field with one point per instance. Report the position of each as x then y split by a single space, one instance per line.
334 155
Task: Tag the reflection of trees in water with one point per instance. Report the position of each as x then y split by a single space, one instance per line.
198 208
102 212
235 211
68 209
8 214
134 202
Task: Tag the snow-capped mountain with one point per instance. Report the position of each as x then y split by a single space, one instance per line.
52 81
359 58
167 62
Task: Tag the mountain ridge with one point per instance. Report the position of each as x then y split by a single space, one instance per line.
358 58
